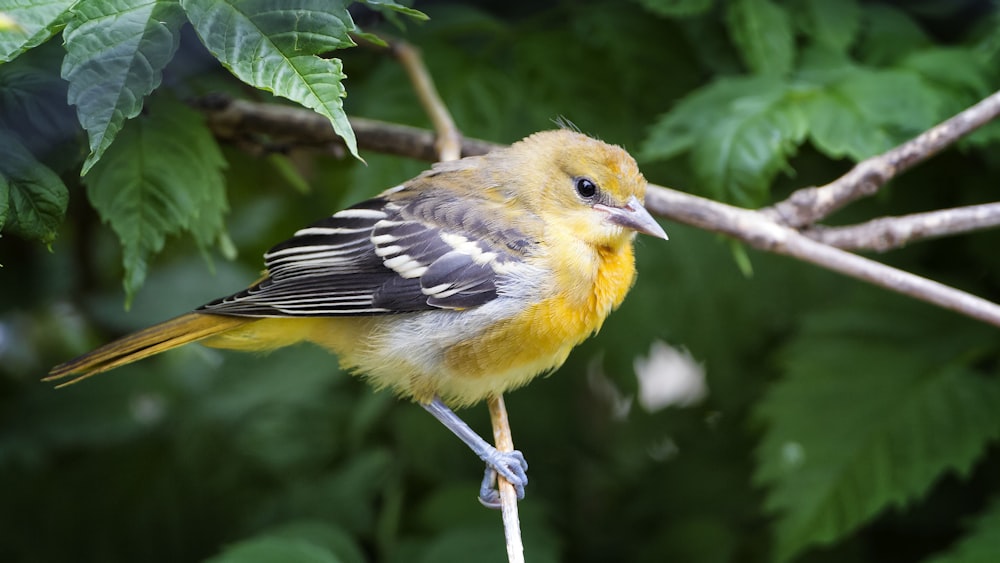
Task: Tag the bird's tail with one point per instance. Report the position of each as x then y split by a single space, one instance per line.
138 345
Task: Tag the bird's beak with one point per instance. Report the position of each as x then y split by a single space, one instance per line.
633 216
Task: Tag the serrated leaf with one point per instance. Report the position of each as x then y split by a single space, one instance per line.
34 197
894 98
962 75
163 176
888 34
981 544
31 23
763 32
273 45
737 157
676 8
833 25
265 549
677 130
864 420
837 128
115 54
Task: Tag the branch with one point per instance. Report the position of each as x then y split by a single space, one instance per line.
806 206
449 140
760 231
886 233
240 121
508 496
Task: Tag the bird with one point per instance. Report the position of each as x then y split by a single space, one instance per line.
463 283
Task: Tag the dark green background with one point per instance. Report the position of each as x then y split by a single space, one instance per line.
892 405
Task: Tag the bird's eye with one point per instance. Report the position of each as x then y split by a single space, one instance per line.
586 188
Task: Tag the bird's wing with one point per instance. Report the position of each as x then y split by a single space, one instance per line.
390 254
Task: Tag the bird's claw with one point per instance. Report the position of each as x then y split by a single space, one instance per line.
509 465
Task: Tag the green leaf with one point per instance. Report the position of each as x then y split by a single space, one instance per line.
833 25
274 45
763 32
163 176
837 127
859 111
33 22
33 105
889 34
982 544
960 76
388 6
896 99
737 157
862 421
740 132
274 550
676 8
34 198
677 130
115 54
322 534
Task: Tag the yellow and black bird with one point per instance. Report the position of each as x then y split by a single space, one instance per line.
458 285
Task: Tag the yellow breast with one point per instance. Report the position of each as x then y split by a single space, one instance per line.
516 350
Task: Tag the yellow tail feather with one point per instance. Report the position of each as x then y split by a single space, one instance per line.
147 342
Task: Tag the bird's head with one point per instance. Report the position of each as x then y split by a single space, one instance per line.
591 188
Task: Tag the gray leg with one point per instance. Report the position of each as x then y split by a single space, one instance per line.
509 465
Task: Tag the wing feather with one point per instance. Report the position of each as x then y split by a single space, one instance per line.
392 254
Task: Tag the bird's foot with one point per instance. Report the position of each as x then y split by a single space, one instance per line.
509 465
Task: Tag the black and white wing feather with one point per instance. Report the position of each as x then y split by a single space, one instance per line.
382 256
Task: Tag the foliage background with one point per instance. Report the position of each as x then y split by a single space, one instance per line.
841 424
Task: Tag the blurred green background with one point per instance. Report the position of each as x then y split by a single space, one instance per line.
834 421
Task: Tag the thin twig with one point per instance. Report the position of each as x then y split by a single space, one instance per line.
886 233
808 205
508 496
761 232
449 140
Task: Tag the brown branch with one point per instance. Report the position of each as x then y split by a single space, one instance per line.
449 140
508 496
760 231
886 233
808 205
244 121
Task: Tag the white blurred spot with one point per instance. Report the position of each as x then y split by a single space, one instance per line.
669 376
147 408
792 454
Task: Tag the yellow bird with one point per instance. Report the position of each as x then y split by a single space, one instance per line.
458 285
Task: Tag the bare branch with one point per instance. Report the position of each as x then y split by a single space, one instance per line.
886 233
508 496
761 232
244 121
449 140
808 205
